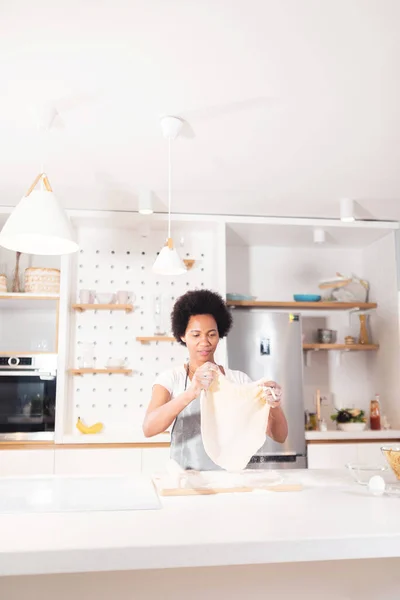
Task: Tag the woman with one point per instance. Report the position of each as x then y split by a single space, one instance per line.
199 320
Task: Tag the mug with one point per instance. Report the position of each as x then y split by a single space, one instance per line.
124 297
86 296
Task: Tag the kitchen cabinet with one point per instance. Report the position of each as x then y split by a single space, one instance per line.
331 456
97 461
371 453
335 456
26 462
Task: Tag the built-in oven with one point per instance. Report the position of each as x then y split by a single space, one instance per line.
28 397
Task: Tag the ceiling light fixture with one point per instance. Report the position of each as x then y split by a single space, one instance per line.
146 202
347 210
168 262
319 236
39 224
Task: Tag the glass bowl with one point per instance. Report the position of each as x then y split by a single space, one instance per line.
392 455
362 473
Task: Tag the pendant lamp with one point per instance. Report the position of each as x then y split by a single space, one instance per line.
168 262
39 224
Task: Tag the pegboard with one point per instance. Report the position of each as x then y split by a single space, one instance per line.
113 260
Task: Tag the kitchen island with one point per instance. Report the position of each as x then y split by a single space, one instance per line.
328 540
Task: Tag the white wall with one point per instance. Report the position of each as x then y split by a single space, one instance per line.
380 268
116 259
276 273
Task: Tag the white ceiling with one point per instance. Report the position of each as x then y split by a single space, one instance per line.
296 236
292 104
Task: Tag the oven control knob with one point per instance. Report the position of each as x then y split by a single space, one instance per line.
13 361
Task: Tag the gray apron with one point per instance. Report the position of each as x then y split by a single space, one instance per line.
187 447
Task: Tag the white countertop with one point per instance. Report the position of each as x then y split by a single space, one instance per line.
383 434
332 518
131 437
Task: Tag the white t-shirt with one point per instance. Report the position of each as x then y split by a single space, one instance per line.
173 380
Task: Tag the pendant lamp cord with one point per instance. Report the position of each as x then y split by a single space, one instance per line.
169 187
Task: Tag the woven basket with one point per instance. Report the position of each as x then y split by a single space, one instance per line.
39 280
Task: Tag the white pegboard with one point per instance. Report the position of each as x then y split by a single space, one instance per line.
112 260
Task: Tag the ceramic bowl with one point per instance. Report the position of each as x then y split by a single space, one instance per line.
104 298
392 455
350 427
306 298
362 473
115 363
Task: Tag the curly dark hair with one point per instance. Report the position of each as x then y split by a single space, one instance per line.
199 302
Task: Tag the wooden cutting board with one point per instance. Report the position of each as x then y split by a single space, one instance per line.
234 490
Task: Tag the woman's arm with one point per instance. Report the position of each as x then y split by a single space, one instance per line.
277 427
162 411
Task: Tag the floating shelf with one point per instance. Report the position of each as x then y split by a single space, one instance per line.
155 338
28 302
303 305
100 371
341 347
23 296
83 307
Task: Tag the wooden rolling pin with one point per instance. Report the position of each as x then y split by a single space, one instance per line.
211 491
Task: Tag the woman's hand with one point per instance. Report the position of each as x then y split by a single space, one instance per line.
272 392
203 378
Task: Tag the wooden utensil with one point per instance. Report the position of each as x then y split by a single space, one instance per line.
234 490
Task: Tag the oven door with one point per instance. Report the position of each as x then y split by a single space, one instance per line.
27 405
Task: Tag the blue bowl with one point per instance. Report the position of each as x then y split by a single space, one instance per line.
306 298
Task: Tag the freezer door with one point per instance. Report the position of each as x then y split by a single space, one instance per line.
267 344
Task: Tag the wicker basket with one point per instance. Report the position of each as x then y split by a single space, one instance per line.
3 284
39 280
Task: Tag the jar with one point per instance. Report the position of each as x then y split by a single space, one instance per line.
375 414
313 422
86 359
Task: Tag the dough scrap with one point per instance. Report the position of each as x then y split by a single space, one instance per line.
234 421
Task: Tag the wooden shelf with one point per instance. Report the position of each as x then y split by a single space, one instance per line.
341 347
82 307
23 296
155 338
303 305
100 371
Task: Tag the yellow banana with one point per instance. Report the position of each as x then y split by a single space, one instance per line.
96 428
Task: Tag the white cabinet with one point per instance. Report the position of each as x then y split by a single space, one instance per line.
371 453
26 462
83 461
335 456
98 461
331 456
154 460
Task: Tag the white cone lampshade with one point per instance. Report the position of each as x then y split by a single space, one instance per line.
39 225
168 262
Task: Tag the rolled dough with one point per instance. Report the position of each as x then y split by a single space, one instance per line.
234 421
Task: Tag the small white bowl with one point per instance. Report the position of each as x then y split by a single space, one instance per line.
115 363
350 427
104 298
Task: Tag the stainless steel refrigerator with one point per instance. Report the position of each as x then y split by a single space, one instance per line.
266 344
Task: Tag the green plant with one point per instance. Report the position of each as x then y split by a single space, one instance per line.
349 415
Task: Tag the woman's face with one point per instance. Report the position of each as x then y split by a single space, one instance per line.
201 338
